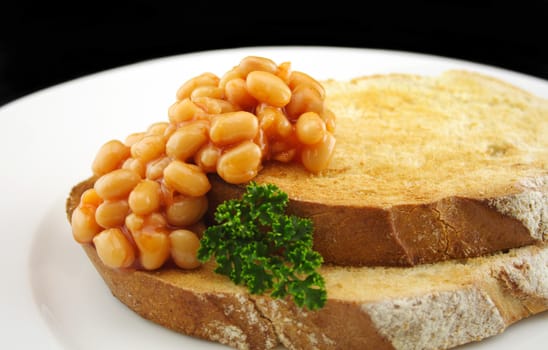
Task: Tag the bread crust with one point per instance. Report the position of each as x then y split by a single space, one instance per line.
401 235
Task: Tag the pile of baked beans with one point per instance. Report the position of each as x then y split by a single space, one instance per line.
147 204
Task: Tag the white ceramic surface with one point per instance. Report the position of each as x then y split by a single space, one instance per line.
50 296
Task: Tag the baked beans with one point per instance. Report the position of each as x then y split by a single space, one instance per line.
84 226
145 198
310 128
109 157
268 88
148 148
240 164
316 157
114 249
186 178
148 202
230 128
256 63
116 184
184 248
185 211
183 110
187 140
112 213
204 79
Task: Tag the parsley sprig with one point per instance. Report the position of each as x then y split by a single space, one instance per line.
257 245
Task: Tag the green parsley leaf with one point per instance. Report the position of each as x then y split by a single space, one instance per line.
256 244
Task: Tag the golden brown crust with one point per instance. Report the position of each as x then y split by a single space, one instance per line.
402 235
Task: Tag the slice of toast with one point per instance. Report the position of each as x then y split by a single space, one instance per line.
431 306
425 169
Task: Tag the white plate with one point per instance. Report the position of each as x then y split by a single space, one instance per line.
51 297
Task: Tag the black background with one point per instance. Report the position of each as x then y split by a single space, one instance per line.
45 43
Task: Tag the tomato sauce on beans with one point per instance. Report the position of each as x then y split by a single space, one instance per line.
149 199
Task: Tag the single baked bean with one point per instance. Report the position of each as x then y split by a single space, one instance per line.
184 248
256 63
304 99
310 128
205 79
134 222
171 128
84 226
134 138
214 105
109 157
299 78
207 157
90 197
237 94
187 140
186 178
112 213
316 157
234 73
185 211
114 249
184 110
116 184
135 165
284 71
145 197
268 88
208 91
228 128
158 128
240 163
154 248
155 168
148 148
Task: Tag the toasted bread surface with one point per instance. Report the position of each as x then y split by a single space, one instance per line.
425 169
